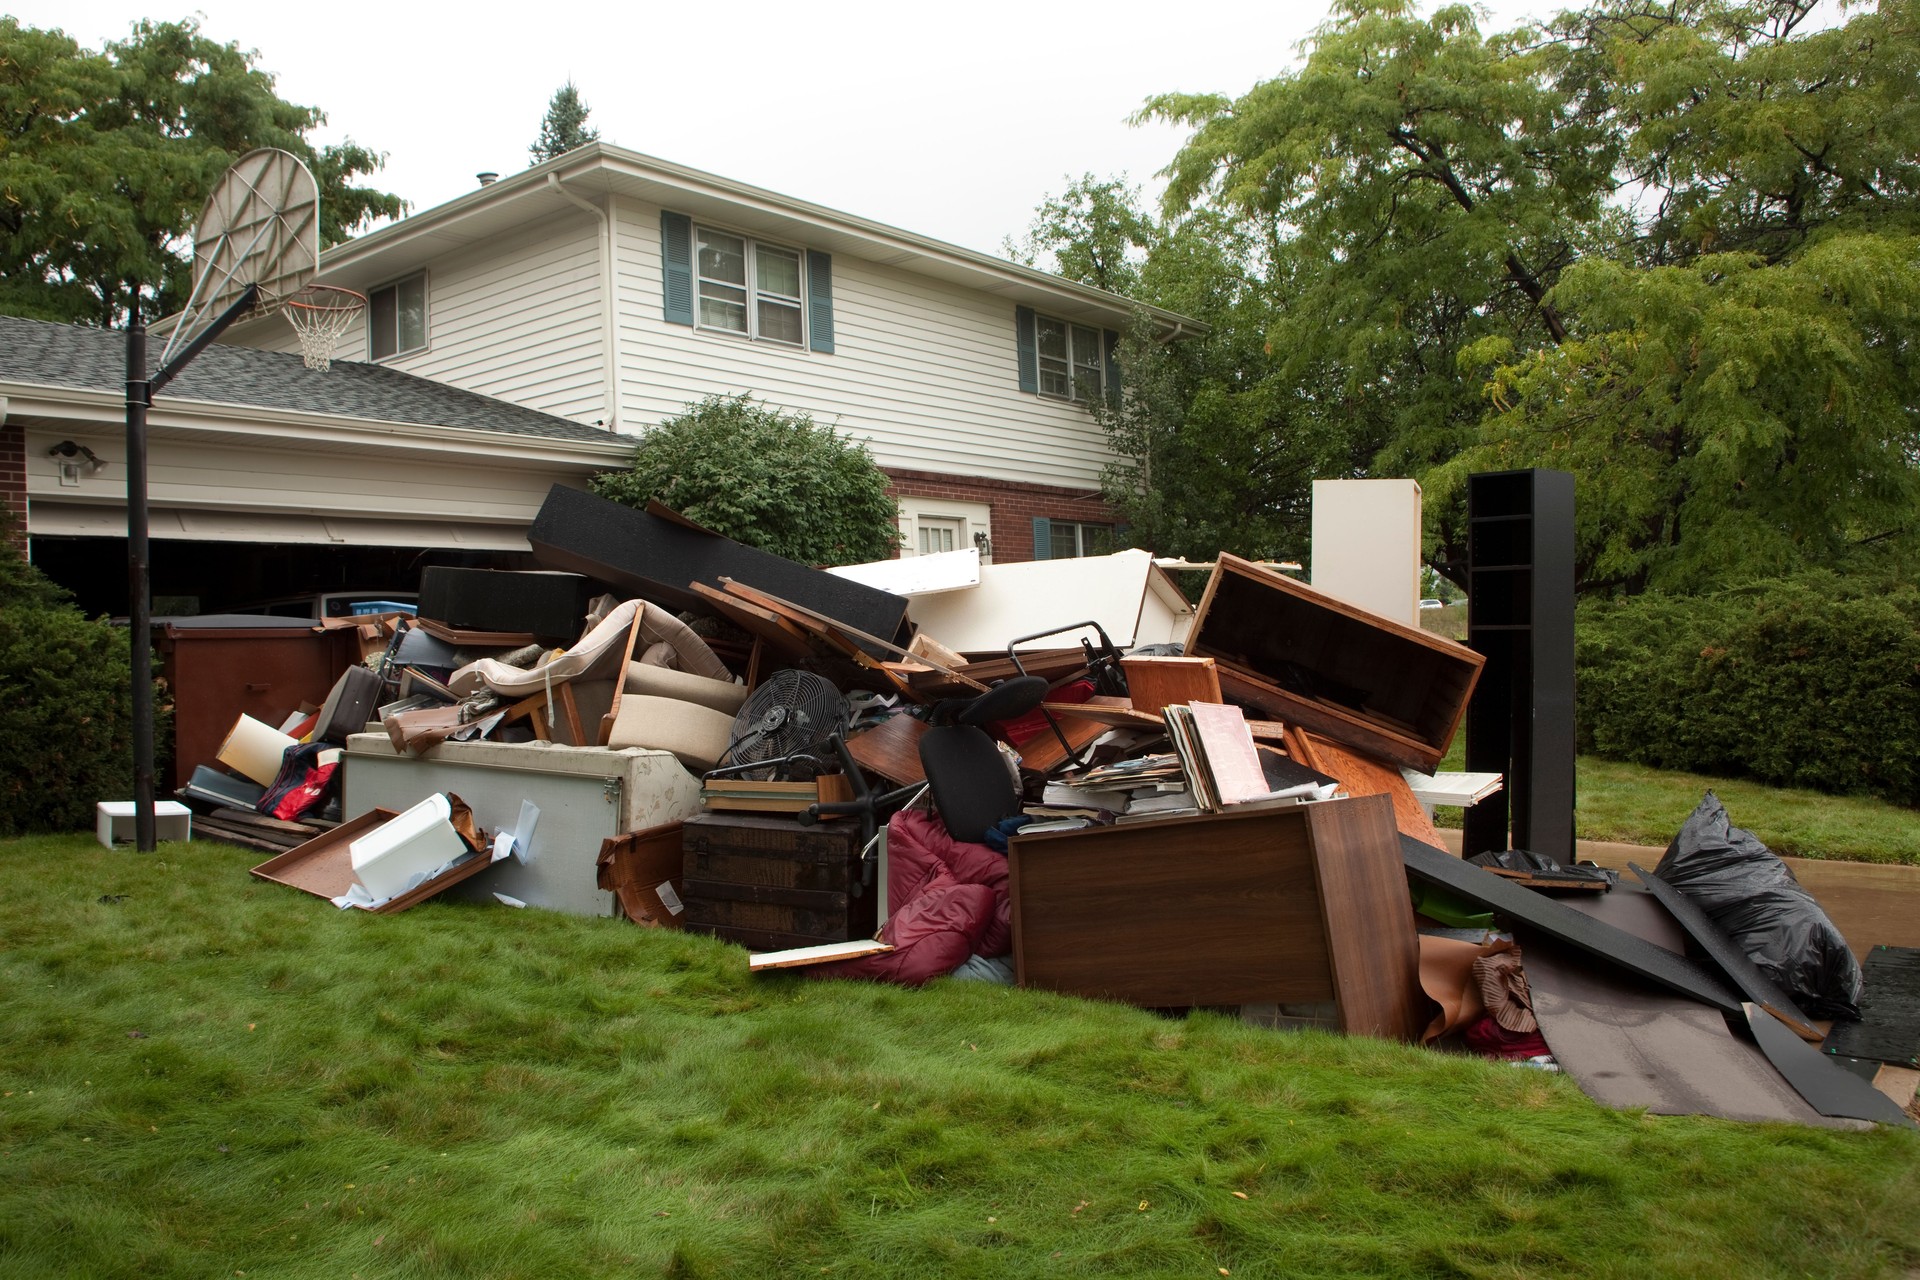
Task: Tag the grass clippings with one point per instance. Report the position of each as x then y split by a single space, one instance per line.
205 1075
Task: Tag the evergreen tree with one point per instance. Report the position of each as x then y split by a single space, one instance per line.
565 127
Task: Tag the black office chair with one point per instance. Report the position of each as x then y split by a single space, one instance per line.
972 787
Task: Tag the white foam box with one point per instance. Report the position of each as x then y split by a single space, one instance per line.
113 821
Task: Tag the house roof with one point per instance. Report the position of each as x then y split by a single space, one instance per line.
65 355
599 169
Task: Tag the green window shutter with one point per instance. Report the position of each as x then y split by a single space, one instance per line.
1112 341
1042 527
1023 338
676 259
820 301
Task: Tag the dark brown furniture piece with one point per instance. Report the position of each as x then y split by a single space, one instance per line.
1299 905
1305 658
771 883
1520 615
222 667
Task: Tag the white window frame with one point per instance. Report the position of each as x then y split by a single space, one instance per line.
754 294
970 520
1085 378
426 317
1080 528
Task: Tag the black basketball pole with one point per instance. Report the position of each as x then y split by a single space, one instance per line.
140 389
139 598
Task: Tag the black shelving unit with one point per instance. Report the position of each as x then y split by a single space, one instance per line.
1520 616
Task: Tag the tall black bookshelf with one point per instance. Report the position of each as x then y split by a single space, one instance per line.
1520 616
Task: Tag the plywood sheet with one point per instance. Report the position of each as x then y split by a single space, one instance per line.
1362 775
1367 914
1155 683
891 750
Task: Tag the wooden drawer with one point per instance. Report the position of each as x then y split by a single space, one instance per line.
770 883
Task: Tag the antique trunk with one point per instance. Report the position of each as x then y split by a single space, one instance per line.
769 883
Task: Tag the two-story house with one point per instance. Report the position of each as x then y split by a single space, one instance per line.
612 288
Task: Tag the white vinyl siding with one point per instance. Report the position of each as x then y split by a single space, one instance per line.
923 370
519 317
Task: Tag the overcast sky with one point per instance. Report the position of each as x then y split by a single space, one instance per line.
953 121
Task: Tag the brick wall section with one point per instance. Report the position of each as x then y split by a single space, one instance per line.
13 486
1014 505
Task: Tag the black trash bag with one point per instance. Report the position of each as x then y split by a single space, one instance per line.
1753 895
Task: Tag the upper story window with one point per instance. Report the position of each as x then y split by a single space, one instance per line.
397 317
712 279
1063 360
1072 364
749 288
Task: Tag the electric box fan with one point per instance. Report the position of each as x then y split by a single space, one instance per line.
786 723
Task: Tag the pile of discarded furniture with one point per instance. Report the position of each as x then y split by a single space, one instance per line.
1061 775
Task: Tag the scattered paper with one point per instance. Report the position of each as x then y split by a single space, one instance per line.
668 898
506 901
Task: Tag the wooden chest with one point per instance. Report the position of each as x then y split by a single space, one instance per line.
769 883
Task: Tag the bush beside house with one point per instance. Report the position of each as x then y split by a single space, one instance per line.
66 711
1810 681
773 480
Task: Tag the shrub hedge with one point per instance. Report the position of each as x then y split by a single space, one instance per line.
66 710
1809 681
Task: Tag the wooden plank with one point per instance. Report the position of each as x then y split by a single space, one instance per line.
1115 713
826 953
1043 752
891 750
1367 913
1559 921
762 624
1726 953
1333 722
1155 683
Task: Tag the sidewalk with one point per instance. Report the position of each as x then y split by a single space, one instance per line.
1870 903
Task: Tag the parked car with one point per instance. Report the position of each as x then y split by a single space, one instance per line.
1431 603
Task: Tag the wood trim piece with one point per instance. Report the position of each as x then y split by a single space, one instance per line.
1367 913
1726 953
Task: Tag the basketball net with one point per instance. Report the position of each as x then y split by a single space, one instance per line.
320 314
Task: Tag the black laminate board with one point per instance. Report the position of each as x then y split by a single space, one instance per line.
1889 1026
1726 953
1557 920
1828 1088
551 605
655 559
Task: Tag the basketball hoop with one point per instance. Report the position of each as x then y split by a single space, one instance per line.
320 314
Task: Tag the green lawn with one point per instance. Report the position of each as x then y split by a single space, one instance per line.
204 1075
1631 802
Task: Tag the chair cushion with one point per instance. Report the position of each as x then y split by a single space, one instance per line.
697 735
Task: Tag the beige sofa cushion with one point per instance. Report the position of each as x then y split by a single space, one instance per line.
697 735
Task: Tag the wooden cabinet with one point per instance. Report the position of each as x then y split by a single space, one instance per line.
1299 905
770 883
1306 658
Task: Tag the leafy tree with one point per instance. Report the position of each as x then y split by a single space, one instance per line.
565 125
773 480
1671 248
108 158
1213 451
